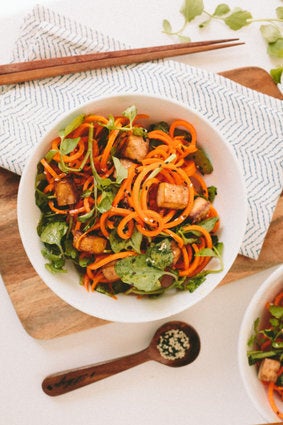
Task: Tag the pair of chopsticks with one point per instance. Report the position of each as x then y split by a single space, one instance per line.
45 68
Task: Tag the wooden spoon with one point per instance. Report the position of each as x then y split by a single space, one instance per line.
174 344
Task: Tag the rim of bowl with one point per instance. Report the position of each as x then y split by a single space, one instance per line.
202 290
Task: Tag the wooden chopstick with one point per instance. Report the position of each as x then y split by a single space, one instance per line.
45 68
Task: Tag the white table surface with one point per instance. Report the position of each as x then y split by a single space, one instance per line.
205 392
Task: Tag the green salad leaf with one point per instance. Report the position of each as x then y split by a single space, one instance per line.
133 243
238 19
276 74
53 233
192 236
136 271
160 254
68 145
191 8
145 270
121 171
235 19
276 48
75 123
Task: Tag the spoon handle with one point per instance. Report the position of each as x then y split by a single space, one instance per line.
63 382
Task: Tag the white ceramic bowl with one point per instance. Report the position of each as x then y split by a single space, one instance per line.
255 389
230 202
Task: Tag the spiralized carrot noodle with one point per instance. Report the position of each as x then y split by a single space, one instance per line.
107 214
271 399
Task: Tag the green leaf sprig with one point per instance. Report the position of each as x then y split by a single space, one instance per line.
235 19
272 32
271 28
130 113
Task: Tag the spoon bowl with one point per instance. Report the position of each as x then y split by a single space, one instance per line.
174 344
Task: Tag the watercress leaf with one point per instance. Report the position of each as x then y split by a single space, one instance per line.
191 9
121 171
111 123
161 125
279 12
251 340
209 223
70 250
68 145
221 9
77 121
270 33
53 233
238 19
205 23
256 324
102 183
50 154
276 311
51 267
184 38
116 288
219 247
51 255
40 178
167 28
130 113
85 217
84 261
193 283
136 271
276 48
206 252
106 200
56 261
41 199
188 239
133 243
276 74
160 255
86 193
215 251
274 322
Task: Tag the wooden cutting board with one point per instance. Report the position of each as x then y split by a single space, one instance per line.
44 315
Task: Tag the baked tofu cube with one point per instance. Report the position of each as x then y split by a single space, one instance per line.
172 196
268 370
89 243
136 148
127 163
65 192
109 272
199 210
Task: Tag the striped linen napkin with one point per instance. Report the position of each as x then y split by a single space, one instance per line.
250 121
